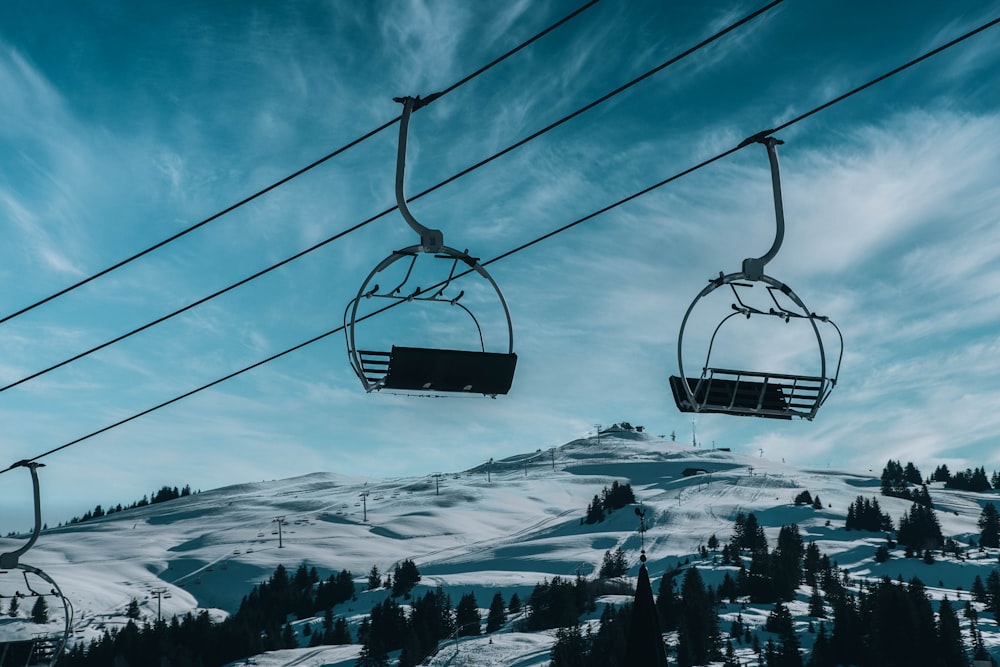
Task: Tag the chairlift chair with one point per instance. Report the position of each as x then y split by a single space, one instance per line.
758 393
427 370
41 648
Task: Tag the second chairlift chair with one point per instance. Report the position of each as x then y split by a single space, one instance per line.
427 370
755 392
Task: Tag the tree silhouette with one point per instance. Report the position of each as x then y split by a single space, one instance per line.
989 525
40 611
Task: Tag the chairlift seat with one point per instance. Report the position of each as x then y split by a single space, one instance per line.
750 393
430 369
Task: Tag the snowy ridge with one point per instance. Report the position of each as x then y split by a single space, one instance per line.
470 533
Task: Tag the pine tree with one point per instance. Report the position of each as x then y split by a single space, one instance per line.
951 648
822 655
467 616
12 608
569 649
816 609
667 603
779 621
405 577
497 616
614 564
595 511
40 611
698 638
341 633
978 590
989 525
787 562
374 578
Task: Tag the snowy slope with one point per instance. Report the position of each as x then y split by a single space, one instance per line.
482 530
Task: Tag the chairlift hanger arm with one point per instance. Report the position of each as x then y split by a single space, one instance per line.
431 240
10 560
754 267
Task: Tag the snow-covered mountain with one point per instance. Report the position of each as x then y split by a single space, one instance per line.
503 526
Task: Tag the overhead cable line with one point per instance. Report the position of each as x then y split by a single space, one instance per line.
513 251
316 246
290 177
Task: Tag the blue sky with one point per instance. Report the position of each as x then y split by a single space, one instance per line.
124 123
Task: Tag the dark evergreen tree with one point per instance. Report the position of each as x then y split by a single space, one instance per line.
788 654
804 498
698 640
411 654
497 615
609 646
760 582
894 480
727 589
822 653
811 562
748 533
467 616
514 606
786 562
616 497
919 528
993 591
374 578
595 511
668 604
847 637
912 475
288 639
132 611
555 604
951 648
569 649
941 474
405 576
864 514
341 634
614 564
779 621
816 609
978 590
40 610
989 526
431 620
13 607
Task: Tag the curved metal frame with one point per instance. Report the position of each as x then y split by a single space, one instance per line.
826 383
431 241
10 560
351 312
